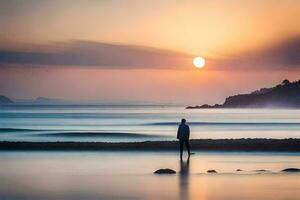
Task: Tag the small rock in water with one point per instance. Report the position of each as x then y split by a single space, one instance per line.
291 170
239 170
165 171
262 170
212 171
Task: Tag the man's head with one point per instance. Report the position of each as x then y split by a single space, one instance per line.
183 121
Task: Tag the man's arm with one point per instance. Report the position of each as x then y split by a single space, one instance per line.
188 132
178 130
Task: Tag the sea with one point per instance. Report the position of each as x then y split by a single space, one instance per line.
110 175
123 123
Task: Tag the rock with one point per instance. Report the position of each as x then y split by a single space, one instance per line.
239 170
262 170
212 171
291 170
165 171
204 106
192 107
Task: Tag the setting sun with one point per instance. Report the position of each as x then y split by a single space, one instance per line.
199 62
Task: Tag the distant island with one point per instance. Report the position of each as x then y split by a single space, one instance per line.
5 100
284 95
44 100
56 101
38 100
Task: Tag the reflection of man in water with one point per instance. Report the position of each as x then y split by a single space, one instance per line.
184 179
183 134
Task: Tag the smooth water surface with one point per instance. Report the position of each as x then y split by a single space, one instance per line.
126 175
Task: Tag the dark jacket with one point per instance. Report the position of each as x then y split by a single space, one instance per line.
183 132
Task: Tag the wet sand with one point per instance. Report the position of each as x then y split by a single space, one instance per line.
283 145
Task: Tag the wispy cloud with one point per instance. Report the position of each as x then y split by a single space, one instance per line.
284 55
104 55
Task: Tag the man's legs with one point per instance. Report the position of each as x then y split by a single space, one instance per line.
181 148
187 144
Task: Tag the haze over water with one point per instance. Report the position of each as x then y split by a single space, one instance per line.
141 123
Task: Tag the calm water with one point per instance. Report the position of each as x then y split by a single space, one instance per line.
119 175
140 123
128 175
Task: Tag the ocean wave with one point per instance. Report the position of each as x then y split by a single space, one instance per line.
226 123
17 130
99 134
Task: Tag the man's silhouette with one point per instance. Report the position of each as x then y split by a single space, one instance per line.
183 134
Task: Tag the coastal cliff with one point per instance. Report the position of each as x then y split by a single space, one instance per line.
284 95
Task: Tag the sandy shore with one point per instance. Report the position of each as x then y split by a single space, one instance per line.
284 145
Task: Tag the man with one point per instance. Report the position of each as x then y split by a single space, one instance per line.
183 134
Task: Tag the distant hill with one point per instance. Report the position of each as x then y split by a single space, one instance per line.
44 100
284 95
4 99
39 100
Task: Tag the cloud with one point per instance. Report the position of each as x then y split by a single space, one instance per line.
283 55
104 55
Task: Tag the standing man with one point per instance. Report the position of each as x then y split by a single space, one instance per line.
183 134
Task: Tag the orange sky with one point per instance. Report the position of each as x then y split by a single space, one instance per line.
227 33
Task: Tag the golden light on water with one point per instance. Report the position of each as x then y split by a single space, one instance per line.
199 62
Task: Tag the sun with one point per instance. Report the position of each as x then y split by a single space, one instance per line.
199 62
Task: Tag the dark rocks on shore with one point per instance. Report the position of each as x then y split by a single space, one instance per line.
204 106
291 170
165 171
212 171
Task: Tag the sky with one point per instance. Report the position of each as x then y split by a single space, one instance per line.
142 51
